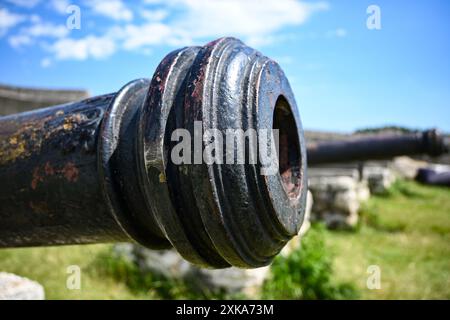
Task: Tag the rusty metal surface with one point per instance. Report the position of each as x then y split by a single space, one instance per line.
377 147
99 170
49 186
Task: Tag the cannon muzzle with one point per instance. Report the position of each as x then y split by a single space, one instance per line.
100 170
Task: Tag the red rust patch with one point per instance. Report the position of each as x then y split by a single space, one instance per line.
161 84
36 178
48 169
197 93
70 172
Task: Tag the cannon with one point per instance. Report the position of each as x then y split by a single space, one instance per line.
378 147
100 170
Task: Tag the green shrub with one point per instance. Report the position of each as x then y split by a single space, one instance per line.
306 273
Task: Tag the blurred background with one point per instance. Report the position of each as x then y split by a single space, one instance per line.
354 66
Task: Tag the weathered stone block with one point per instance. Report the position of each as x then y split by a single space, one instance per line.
379 179
337 199
13 287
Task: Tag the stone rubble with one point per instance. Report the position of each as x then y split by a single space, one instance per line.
13 287
379 179
337 195
406 168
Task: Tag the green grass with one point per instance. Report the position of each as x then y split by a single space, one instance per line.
307 273
406 232
48 266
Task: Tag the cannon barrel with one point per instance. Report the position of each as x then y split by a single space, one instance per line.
377 147
100 170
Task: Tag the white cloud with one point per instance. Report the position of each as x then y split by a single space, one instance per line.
339 33
155 1
34 18
46 62
257 22
38 29
19 40
149 34
250 18
192 21
47 30
114 9
60 6
81 49
25 3
177 23
154 15
8 20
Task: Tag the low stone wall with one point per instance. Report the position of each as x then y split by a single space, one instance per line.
338 194
379 177
19 99
340 189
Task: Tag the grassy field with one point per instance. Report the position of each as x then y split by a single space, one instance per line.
406 233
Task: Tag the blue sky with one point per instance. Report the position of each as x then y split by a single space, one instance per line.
344 75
